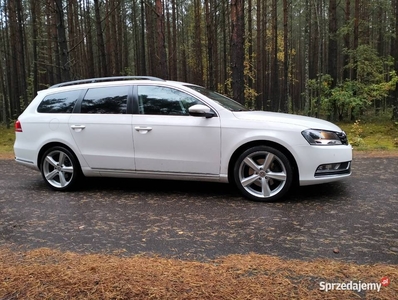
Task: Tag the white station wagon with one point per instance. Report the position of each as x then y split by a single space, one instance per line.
146 127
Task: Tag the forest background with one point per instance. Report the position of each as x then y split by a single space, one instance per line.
325 58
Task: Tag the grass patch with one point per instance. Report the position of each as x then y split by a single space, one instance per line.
50 274
7 138
372 136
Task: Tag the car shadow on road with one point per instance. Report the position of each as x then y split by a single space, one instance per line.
159 186
325 192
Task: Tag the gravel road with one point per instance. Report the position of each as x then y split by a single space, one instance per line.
353 220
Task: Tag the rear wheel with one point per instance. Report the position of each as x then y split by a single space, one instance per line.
60 169
263 173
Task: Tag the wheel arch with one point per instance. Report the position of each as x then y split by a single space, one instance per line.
255 143
47 146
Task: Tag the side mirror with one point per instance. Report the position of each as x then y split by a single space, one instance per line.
199 110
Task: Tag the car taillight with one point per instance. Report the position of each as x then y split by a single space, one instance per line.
18 126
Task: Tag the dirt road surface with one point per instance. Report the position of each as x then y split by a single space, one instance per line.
353 220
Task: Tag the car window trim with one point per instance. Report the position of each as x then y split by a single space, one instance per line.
78 104
130 101
135 100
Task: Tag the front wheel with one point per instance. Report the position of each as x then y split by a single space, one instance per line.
59 168
263 173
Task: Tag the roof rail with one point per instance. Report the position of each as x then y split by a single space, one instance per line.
104 79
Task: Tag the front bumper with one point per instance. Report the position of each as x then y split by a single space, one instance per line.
322 164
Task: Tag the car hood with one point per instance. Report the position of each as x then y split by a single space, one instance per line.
272 117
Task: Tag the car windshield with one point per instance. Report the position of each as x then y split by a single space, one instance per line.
220 99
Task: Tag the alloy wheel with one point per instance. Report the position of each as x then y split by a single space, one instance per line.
58 169
263 173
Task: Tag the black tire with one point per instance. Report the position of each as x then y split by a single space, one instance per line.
60 169
263 173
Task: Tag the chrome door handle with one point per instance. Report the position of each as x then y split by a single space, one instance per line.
138 128
78 127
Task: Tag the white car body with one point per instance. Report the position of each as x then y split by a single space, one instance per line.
183 147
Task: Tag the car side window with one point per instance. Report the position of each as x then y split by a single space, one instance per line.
59 102
158 100
106 100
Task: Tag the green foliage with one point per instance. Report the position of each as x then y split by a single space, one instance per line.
373 82
372 133
346 97
367 63
356 134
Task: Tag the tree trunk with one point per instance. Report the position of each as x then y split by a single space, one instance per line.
89 47
3 74
143 69
150 39
319 13
71 27
249 58
100 40
380 50
13 84
356 34
285 85
347 44
210 45
34 15
197 45
62 42
332 58
224 55
21 53
115 53
395 55
265 60
275 94
174 53
237 50
161 41
108 38
306 60
259 58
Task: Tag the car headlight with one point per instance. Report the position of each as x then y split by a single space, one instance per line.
322 137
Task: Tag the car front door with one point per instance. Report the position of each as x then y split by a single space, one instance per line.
102 130
168 140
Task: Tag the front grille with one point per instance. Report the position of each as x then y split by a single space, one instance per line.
343 137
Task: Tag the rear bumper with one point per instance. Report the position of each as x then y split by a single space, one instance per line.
25 154
27 163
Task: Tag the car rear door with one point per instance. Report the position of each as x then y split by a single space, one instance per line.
102 130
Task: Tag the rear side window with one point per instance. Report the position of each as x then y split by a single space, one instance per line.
59 103
107 100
